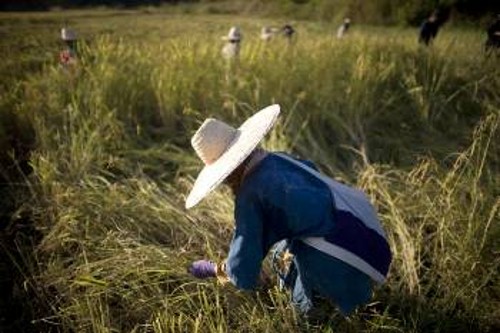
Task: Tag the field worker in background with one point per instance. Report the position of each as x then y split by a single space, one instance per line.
429 29
289 32
331 247
67 57
493 41
233 39
267 33
344 27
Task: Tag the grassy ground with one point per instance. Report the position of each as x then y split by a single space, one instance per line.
96 164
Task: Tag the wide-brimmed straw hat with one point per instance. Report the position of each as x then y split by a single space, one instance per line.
68 34
233 35
223 148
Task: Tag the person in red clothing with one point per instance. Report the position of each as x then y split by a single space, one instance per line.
67 57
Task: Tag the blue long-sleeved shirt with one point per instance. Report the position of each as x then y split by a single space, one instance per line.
276 201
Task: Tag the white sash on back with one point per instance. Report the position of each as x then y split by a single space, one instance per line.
354 201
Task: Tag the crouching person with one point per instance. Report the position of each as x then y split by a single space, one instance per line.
328 232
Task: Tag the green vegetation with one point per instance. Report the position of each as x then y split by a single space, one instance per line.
96 163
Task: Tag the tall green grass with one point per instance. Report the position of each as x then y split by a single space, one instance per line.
111 166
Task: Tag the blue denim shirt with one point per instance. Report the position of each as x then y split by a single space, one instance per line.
279 201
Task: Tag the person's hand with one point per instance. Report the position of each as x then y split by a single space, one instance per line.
203 269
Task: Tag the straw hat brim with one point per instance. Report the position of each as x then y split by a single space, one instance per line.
248 136
68 35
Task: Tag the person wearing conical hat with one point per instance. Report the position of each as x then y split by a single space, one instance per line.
267 33
329 242
344 27
233 43
67 57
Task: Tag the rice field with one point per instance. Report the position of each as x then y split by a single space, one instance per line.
96 164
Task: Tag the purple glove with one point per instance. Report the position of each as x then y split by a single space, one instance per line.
203 269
